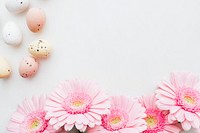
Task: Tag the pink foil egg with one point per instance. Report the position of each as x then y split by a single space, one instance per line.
28 67
35 19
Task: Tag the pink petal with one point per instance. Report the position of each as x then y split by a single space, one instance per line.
94 115
79 126
186 125
180 115
89 117
172 128
188 116
174 109
71 119
68 127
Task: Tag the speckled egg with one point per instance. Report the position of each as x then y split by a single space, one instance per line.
35 19
40 49
17 6
28 67
12 34
5 68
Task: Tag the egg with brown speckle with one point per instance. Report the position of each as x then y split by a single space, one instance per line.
40 48
28 67
5 68
35 19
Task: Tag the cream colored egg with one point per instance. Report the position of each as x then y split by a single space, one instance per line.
28 67
40 49
5 68
35 19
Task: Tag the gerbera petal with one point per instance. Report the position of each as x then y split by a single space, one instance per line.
188 116
89 117
98 129
83 128
191 80
53 121
165 93
91 124
171 118
174 109
129 130
179 115
100 111
195 123
68 127
71 119
101 105
177 79
79 126
173 128
167 101
186 125
94 115
167 87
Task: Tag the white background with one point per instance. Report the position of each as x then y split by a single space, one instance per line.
127 46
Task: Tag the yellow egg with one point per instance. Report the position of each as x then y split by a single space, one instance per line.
40 49
5 68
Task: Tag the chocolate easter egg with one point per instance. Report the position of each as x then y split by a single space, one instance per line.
12 34
17 6
40 48
28 67
5 68
35 19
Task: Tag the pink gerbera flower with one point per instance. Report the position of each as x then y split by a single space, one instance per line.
156 119
126 117
30 117
182 98
77 103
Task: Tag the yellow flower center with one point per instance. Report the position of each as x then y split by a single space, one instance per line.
115 120
189 100
35 124
78 103
151 121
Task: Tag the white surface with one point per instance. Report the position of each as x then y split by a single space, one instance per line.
127 46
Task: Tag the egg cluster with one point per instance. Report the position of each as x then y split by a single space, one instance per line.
13 36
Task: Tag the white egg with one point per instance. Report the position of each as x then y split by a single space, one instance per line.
12 34
17 6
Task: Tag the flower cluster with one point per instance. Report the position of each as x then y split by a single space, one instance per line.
174 107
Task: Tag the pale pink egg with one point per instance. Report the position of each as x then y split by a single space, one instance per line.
35 19
28 67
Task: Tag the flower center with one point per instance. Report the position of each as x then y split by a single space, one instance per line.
77 103
155 120
188 99
35 122
151 121
116 120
